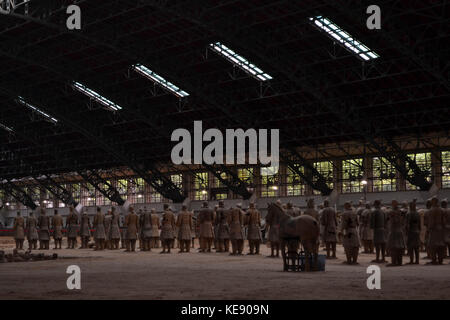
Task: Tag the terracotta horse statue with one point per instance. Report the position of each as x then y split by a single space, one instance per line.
304 229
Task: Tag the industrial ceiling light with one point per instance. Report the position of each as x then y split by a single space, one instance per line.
95 96
149 74
343 38
6 128
22 101
240 61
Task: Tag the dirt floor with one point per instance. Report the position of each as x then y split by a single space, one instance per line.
150 275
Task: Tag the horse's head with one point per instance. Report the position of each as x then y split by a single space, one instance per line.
276 211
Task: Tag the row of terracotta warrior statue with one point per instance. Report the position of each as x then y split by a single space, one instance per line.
392 231
389 231
217 226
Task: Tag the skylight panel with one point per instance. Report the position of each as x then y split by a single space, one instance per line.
149 74
95 96
37 110
344 38
240 61
6 128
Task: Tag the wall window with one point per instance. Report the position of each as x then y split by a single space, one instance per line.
75 188
122 187
445 169
384 175
47 199
219 189
101 200
88 195
269 182
177 180
352 175
295 184
136 190
201 185
423 161
325 168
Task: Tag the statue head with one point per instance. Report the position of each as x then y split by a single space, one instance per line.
184 207
377 203
347 205
434 202
444 203
412 205
367 205
166 206
18 213
152 210
56 212
310 203
326 203
394 204
289 205
252 205
205 204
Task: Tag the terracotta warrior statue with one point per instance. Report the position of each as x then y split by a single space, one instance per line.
273 225
19 231
115 229
310 211
44 231
350 240
223 229
446 211
413 233
145 225
85 230
423 228
436 226
378 223
396 243
184 224
236 222
168 226
329 223
107 223
132 225
72 228
57 225
156 225
32 233
253 222
366 229
99 232
205 219
426 214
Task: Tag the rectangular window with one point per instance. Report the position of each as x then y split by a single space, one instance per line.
219 190
445 169
201 186
352 175
247 175
423 161
295 184
88 195
325 168
269 182
122 187
136 190
384 175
